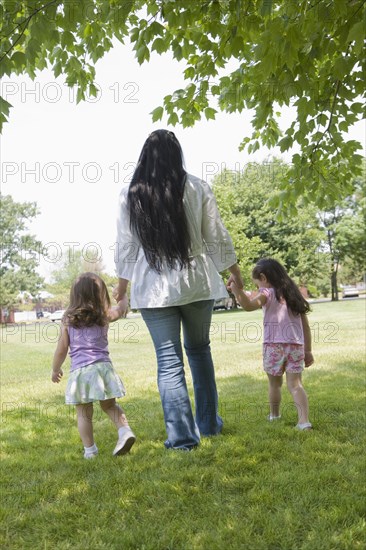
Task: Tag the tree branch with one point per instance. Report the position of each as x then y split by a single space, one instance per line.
25 22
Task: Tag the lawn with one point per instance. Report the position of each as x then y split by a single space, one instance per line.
257 486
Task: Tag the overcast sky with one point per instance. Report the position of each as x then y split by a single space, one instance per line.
73 159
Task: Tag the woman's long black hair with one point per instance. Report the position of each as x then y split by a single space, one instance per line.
283 285
155 202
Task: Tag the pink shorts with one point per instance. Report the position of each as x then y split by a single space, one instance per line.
281 358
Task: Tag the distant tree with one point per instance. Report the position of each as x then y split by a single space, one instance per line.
74 263
351 231
240 55
20 251
345 241
244 200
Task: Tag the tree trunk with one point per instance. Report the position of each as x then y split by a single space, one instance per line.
334 284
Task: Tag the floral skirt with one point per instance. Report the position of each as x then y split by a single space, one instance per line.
96 382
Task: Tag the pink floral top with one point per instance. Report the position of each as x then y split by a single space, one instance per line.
281 325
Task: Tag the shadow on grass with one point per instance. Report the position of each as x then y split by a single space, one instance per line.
243 404
258 485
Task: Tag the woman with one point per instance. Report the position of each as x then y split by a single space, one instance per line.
172 245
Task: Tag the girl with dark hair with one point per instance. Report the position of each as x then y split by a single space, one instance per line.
172 245
287 336
92 378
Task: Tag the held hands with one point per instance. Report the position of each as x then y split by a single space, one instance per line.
120 290
57 375
120 310
236 280
233 287
122 305
309 359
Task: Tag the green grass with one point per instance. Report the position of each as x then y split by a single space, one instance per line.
256 486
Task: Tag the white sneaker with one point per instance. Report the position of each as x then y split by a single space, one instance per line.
271 418
125 442
304 426
91 455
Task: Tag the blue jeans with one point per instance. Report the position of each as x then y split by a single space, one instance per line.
164 325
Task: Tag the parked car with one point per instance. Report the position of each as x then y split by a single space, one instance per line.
224 303
350 292
57 315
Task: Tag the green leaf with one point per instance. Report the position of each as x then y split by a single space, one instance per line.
134 34
357 108
32 50
159 45
88 30
253 147
5 67
266 8
142 53
322 119
210 113
302 105
285 143
189 73
343 126
121 13
93 90
80 95
57 69
340 67
178 52
157 114
173 119
152 8
67 39
157 28
4 106
357 34
19 60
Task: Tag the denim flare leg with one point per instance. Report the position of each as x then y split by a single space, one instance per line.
164 325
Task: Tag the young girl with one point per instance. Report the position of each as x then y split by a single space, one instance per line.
287 337
92 378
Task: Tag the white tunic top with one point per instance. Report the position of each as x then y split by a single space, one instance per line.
212 251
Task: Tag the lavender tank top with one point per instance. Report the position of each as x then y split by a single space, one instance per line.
88 345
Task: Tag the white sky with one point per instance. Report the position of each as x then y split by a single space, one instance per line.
72 160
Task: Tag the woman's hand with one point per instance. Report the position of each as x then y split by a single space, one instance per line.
120 291
120 310
235 277
237 280
233 287
123 306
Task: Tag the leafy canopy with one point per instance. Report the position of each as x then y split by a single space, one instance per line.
239 54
